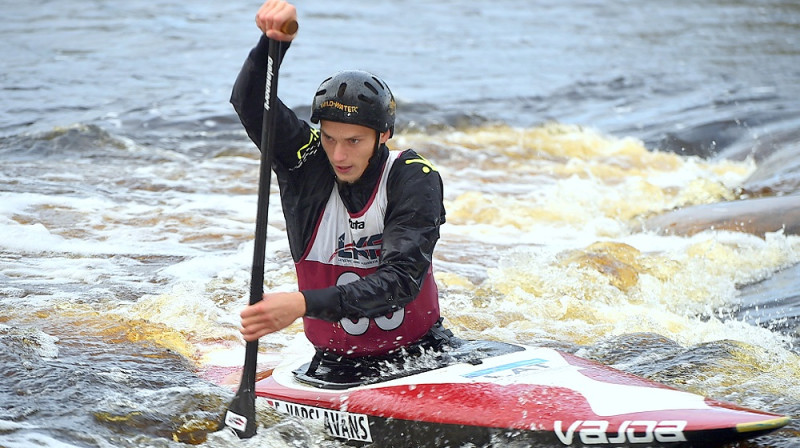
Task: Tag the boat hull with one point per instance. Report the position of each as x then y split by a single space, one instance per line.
532 395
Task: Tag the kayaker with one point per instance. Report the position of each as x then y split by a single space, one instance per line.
362 220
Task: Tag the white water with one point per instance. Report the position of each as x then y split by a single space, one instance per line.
126 239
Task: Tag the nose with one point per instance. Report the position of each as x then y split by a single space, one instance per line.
337 152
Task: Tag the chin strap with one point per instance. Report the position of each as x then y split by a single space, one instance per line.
377 145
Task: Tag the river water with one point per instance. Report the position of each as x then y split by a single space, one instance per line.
564 130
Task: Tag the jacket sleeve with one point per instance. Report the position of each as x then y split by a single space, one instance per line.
247 99
300 164
414 213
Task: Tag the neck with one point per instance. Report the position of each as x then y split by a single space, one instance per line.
356 194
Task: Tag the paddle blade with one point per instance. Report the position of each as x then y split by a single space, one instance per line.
241 414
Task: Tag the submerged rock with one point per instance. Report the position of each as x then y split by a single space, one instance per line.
754 216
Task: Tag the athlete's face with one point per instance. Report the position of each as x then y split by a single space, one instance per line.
349 148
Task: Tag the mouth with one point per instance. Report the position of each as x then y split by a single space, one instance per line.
343 170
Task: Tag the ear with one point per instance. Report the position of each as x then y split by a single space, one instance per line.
385 136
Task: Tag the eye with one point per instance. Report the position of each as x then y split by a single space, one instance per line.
354 141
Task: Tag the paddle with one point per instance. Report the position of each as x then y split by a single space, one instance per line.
241 414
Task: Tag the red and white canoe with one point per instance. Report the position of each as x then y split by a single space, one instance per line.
490 393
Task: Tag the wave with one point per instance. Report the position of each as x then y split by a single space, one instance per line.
76 140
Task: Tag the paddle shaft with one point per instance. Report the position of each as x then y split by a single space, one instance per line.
241 412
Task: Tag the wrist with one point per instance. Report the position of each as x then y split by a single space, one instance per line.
323 304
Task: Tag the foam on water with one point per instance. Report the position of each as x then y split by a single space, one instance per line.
541 245
127 235
25 439
568 266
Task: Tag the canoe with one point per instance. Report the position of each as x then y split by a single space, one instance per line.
488 393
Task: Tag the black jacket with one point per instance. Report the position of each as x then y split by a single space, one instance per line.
413 215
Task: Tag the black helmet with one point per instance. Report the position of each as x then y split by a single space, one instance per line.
355 97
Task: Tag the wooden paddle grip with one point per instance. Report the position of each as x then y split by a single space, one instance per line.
289 27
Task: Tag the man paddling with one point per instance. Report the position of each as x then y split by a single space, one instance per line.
362 221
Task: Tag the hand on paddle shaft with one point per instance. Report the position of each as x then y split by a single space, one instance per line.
276 312
278 20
